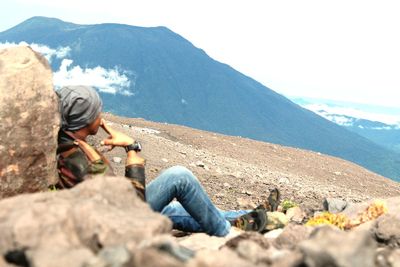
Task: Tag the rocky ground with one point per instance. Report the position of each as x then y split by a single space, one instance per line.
238 172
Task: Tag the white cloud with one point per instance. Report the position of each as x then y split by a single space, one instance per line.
352 112
338 119
111 81
47 52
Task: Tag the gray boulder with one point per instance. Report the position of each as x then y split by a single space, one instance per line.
222 258
248 236
98 213
29 122
334 205
331 247
387 230
292 235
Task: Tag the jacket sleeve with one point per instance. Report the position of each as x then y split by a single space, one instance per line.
76 167
135 173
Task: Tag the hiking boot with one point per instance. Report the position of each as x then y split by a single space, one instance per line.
272 202
255 220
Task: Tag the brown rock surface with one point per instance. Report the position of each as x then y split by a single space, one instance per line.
387 230
29 122
292 235
222 258
97 213
331 247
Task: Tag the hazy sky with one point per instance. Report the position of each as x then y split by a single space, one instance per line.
342 50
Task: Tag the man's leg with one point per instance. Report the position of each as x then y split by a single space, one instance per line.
180 183
182 220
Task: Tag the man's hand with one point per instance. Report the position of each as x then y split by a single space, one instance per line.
116 138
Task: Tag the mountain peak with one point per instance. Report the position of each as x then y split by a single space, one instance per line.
37 22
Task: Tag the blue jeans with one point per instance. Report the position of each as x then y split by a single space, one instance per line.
193 211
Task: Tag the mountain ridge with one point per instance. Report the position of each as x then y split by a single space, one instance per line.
379 127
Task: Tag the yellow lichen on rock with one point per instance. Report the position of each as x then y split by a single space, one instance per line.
338 220
372 212
341 221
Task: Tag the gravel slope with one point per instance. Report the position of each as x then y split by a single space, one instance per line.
238 172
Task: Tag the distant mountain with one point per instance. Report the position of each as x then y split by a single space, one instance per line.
167 79
387 135
383 134
380 132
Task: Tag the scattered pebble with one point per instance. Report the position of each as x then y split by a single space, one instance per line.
283 180
116 159
220 195
249 193
200 164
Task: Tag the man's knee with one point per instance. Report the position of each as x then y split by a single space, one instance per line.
181 174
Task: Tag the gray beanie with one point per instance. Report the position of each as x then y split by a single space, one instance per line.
79 106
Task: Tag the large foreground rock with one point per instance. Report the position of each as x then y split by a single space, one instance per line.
29 122
68 228
328 246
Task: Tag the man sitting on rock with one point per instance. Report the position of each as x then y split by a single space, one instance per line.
80 108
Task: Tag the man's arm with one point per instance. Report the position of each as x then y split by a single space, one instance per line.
134 170
134 167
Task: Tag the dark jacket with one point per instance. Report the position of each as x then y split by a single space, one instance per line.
78 161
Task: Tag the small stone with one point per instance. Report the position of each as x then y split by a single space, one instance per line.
295 214
227 185
246 192
164 160
284 180
200 164
116 159
334 205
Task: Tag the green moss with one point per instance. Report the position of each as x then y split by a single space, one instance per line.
287 204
